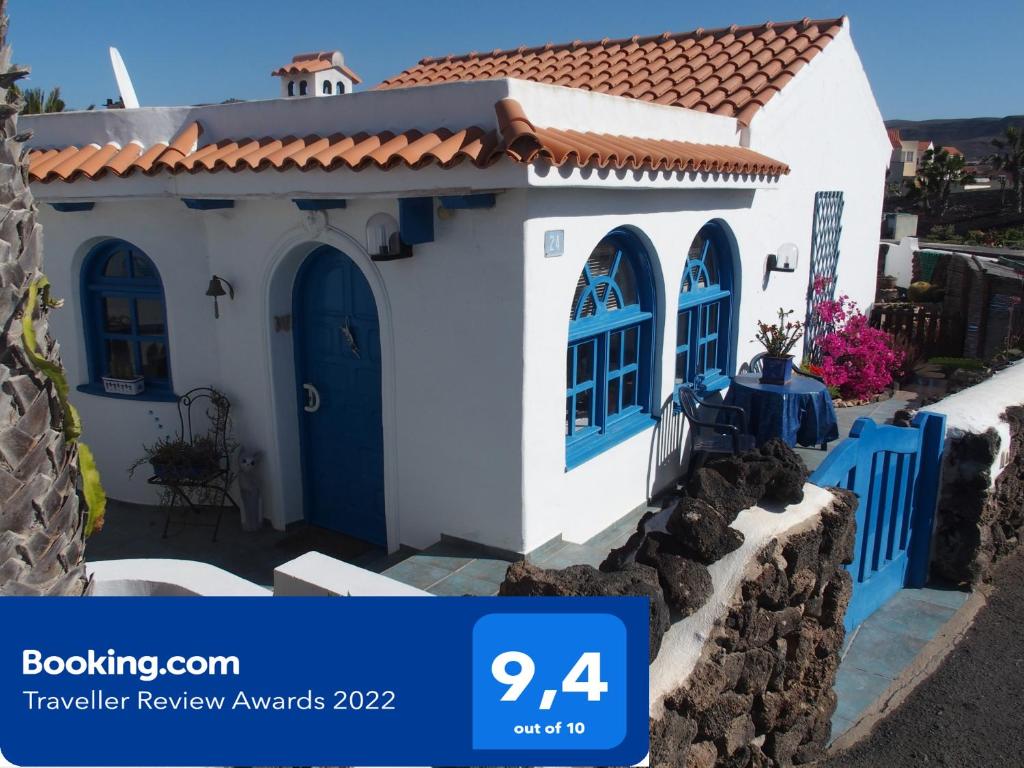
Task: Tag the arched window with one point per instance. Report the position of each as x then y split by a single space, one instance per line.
125 319
610 353
339 87
704 325
326 88
291 87
303 87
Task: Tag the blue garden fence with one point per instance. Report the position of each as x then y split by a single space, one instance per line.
895 473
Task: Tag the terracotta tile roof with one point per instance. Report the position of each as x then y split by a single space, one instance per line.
516 138
894 138
732 72
317 61
952 151
527 143
923 145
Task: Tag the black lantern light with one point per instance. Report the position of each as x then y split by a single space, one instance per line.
216 289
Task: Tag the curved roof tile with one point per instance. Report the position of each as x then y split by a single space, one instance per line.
516 138
649 67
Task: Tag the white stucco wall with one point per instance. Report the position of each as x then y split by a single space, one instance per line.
899 261
156 577
451 334
826 124
316 82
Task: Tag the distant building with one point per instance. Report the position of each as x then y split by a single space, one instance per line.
906 154
906 159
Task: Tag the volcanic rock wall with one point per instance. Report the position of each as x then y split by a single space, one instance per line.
980 518
743 569
980 513
761 692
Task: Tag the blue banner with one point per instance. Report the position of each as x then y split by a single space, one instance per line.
323 681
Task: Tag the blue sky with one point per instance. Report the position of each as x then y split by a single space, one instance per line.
940 58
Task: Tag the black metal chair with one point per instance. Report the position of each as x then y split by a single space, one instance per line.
725 438
210 486
755 365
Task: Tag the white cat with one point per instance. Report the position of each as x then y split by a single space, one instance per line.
249 485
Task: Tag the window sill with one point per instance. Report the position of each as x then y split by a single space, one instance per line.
717 383
586 449
147 396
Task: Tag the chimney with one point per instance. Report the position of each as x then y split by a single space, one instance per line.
320 73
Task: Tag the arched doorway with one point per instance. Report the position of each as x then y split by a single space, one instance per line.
336 334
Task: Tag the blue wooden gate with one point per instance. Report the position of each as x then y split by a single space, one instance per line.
895 473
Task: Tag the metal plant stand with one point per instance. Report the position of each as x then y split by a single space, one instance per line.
212 483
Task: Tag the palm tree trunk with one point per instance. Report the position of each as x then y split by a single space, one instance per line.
42 520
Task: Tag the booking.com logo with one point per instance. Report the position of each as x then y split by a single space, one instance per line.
145 668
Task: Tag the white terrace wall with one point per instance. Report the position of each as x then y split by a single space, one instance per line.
451 339
980 513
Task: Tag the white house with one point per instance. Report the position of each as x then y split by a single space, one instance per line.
463 298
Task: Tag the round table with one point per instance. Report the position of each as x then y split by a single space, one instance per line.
799 412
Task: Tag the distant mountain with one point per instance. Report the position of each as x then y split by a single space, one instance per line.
972 136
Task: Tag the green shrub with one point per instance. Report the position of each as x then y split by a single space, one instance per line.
953 363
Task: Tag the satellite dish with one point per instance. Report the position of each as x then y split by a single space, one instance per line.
124 82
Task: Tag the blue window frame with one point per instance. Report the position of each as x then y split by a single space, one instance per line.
608 391
125 318
704 321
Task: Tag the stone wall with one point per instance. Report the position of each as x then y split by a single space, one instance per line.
979 517
744 571
761 693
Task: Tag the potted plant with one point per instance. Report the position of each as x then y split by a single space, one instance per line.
177 460
778 340
123 379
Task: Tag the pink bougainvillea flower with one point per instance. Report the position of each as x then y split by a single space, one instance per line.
858 360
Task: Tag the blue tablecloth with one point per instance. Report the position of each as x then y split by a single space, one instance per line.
799 412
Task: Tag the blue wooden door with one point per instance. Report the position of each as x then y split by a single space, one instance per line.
337 350
895 473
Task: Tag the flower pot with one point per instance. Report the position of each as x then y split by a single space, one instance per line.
115 386
776 370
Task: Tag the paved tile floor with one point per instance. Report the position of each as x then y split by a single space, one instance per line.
881 412
134 531
888 641
457 568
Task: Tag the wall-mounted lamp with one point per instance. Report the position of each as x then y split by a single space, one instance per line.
783 261
383 239
216 289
